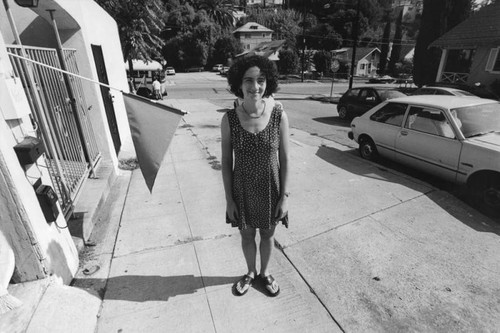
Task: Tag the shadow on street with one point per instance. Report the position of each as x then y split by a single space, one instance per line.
143 288
333 121
384 171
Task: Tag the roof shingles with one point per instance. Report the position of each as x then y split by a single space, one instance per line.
481 29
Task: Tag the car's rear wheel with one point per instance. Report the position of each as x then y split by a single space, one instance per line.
485 192
342 112
367 149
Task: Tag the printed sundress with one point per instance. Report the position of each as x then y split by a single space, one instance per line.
256 180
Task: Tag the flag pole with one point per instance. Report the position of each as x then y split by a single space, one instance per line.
64 71
87 79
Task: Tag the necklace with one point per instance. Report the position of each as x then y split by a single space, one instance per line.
253 117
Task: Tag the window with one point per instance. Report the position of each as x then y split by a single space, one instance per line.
353 93
459 61
430 121
392 114
368 94
493 64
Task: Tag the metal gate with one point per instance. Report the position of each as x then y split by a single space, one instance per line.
75 150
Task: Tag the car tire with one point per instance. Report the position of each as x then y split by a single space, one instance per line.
485 193
342 111
368 150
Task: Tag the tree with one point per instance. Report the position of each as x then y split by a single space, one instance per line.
384 49
288 62
323 37
226 47
220 11
322 61
437 18
139 26
396 45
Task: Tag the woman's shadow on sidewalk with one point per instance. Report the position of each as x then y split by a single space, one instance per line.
142 288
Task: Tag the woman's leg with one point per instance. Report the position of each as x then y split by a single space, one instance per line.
249 250
266 248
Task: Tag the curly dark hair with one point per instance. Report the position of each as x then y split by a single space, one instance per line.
238 69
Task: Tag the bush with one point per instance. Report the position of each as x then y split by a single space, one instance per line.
288 62
322 61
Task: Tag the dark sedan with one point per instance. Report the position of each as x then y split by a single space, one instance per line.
357 101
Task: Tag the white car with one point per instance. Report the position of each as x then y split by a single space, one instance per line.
454 138
170 71
431 90
217 68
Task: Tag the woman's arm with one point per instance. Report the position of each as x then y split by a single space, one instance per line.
282 207
227 167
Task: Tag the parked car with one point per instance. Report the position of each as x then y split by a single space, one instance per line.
477 89
382 79
453 138
194 69
144 92
170 71
217 68
224 70
431 90
356 101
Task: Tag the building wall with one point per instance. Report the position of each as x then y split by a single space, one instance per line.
249 40
478 72
41 249
93 20
81 23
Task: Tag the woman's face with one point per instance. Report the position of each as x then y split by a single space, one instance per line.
253 84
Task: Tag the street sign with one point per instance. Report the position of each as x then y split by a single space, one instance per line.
335 65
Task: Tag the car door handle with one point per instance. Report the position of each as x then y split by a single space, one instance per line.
404 133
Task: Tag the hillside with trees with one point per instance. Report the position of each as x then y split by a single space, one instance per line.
199 33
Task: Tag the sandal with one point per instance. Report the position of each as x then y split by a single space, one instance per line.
272 287
245 282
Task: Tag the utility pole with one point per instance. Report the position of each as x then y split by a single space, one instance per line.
303 43
355 33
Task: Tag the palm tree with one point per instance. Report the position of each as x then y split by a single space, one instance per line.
139 27
220 11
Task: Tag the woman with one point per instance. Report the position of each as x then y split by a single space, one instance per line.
255 132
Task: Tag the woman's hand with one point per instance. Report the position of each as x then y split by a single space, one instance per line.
231 210
281 208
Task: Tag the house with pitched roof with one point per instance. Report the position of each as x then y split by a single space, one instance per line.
471 50
251 34
367 59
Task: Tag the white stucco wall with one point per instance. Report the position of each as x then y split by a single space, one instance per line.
98 28
48 246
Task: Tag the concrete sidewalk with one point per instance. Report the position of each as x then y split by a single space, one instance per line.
368 250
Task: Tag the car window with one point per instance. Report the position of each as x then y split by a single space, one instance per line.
389 94
479 119
424 91
443 92
352 93
463 93
430 121
392 114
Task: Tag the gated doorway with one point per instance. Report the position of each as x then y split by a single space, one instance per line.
107 97
70 130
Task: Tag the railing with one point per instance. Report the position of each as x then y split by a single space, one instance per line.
70 161
450 77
